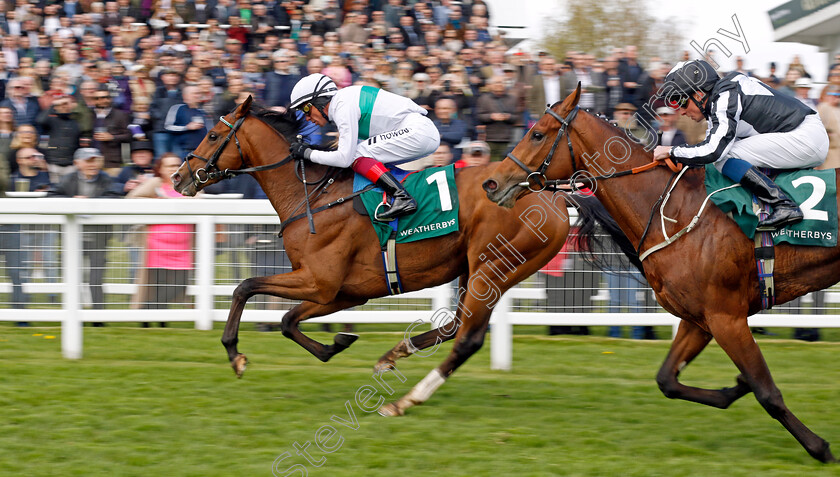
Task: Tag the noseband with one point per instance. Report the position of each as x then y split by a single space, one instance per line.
211 171
536 180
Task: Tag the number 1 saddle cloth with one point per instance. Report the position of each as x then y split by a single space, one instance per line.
437 205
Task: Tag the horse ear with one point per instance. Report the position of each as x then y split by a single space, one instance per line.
574 97
246 105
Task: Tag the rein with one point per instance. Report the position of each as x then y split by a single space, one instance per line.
210 171
537 181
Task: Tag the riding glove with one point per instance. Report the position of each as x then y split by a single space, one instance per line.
300 150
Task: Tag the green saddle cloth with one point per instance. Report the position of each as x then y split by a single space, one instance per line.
437 206
814 191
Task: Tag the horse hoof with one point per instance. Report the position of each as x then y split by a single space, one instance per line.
391 410
383 365
344 340
240 362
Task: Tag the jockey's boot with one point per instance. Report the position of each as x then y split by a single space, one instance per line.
785 211
403 203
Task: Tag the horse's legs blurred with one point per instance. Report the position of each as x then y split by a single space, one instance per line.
297 285
308 309
688 343
409 346
468 339
736 340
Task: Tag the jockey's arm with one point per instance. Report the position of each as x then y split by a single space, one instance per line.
725 114
346 119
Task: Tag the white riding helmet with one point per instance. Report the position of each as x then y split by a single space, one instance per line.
312 87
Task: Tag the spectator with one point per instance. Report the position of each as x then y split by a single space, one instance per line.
545 89
452 130
476 153
90 181
829 112
496 110
10 244
802 90
630 71
187 122
7 132
669 134
63 130
624 118
168 259
110 130
140 169
25 136
166 96
280 81
24 106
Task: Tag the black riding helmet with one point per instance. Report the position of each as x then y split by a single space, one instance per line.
688 77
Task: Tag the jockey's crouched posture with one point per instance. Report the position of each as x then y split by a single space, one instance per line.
749 124
374 127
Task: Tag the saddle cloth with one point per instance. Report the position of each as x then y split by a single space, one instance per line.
814 191
437 204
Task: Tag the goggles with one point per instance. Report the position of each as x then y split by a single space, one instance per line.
679 102
306 108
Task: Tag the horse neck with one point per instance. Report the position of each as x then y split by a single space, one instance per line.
282 187
629 199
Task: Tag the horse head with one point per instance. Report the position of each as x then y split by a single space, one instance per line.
215 154
541 152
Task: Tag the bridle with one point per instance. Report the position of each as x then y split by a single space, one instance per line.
536 180
211 171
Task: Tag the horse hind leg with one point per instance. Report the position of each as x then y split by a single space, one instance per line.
435 337
468 339
736 340
688 343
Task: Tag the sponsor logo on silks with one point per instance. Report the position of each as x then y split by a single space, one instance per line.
428 228
803 234
388 135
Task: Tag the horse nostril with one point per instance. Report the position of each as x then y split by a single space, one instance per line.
176 178
490 185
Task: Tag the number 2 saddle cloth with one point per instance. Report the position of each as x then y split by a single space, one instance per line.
814 191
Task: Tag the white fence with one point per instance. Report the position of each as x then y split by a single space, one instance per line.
71 214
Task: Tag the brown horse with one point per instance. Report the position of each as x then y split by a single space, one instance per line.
707 277
340 266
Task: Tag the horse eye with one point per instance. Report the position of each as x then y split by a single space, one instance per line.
537 136
213 136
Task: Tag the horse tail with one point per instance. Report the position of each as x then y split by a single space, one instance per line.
599 239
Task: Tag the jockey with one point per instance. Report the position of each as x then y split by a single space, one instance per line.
374 127
749 125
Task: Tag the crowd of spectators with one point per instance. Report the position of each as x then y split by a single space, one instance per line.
145 78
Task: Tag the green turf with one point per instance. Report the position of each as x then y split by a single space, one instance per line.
164 402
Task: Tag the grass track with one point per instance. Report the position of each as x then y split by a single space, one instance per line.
164 402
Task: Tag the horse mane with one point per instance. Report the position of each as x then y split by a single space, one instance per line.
609 252
285 123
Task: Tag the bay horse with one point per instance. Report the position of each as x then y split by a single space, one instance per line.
707 277
340 266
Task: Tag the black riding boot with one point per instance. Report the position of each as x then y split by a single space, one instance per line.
403 203
785 211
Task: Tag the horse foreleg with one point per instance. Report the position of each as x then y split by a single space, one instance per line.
468 339
308 309
736 340
688 343
409 346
